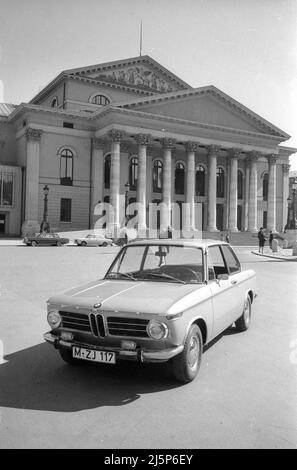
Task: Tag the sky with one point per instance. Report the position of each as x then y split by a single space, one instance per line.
246 48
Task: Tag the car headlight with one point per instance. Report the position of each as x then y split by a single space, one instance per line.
157 330
54 319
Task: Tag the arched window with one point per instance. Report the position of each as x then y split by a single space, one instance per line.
265 187
157 176
66 167
200 181
220 182
100 100
239 184
179 181
133 167
107 164
54 102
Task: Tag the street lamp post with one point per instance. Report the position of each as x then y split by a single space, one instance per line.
289 215
45 227
294 191
127 186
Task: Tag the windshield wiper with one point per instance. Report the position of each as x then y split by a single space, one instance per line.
127 275
166 276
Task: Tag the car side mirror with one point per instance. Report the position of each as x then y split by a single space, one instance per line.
223 277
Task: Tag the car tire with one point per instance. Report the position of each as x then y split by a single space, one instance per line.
66 355
83 244
59 243
244 321
187 364
33 243
104 244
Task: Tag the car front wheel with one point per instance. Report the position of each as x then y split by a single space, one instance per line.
83 244
187 364
243 322
33 243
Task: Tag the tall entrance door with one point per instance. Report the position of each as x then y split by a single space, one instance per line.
220 216
239 218
2 223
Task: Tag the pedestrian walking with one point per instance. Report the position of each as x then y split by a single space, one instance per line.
262 240
227 238
270 239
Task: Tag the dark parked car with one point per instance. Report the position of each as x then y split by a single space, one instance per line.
45 239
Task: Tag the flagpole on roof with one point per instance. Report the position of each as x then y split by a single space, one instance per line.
140 48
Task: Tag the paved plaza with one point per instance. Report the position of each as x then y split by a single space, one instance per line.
244 397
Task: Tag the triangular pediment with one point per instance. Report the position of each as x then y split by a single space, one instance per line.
141 72
206 105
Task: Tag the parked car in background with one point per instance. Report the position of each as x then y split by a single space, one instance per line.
160 301
45 239
94 239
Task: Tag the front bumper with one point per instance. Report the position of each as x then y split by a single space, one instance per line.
141 355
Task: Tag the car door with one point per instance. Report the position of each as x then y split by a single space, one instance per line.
224 301
237 278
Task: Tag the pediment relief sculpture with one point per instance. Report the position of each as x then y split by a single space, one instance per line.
137 76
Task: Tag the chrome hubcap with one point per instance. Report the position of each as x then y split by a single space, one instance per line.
193 352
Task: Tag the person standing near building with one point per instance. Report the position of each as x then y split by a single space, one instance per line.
262 239
270 239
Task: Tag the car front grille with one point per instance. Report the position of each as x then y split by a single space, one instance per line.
76 321
120 326
94 323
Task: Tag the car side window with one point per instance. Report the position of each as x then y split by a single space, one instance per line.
216 262
232 261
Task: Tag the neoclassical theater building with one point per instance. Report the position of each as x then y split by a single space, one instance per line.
94 129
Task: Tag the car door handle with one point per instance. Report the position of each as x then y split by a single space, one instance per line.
234 282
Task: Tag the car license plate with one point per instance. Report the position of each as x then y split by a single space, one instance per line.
94 355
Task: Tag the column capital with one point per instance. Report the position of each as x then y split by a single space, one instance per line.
143 139
272 158
213 149
116 135
168 143
286 167
191 146
33 134
98 144
234 152
254 156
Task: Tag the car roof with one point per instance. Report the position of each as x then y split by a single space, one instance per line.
189 242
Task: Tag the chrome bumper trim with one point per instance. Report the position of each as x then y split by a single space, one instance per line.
142 355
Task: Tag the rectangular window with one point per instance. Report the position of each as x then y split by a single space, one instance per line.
69 125
6 189
65 212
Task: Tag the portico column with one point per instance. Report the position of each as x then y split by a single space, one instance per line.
168 145
246 196
142 141
96 176
253 208
189 219
116 137
271 207
31 224
232 222
286 169
212 188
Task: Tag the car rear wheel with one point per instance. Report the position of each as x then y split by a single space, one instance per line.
187 364
33 243
59 243
104 244
83 244
243 322
66 355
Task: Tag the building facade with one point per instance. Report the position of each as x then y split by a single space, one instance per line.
93 129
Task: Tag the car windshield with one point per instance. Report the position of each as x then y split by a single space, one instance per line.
167 263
